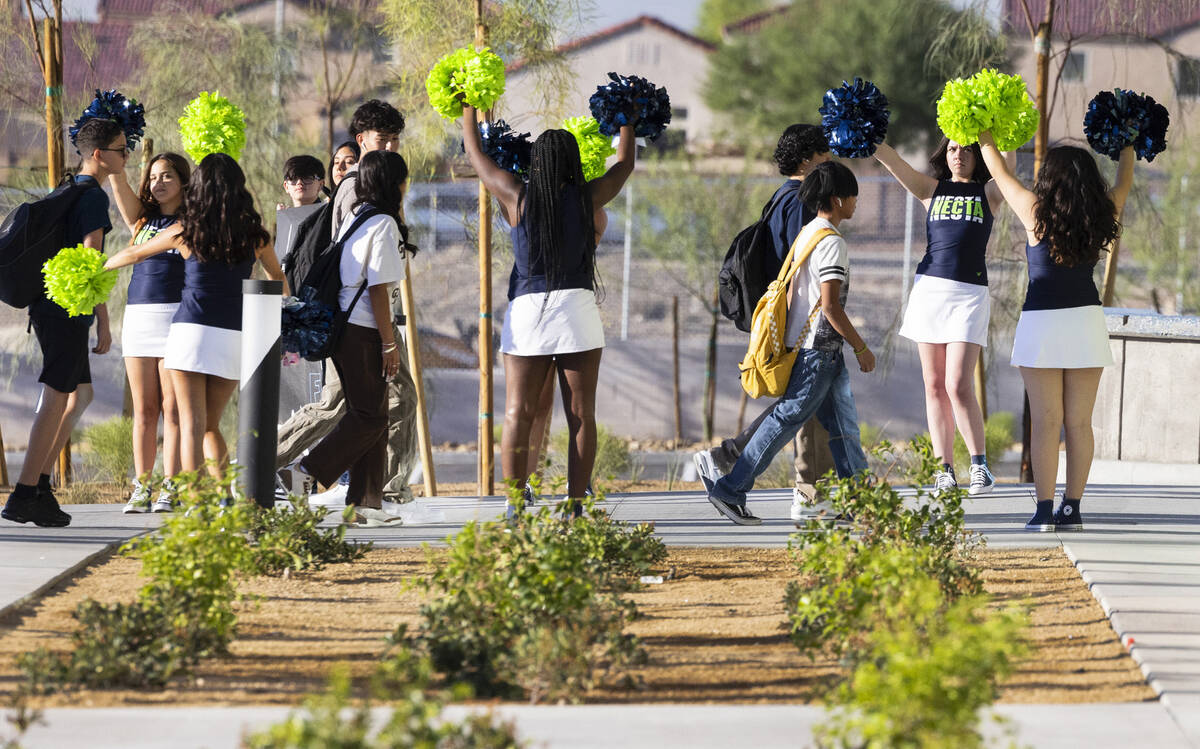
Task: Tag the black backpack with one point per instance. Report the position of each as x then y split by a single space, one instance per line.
322 282
32 234
747 271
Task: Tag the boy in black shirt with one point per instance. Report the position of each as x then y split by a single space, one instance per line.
66 377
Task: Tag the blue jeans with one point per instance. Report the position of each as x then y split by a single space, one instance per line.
820 386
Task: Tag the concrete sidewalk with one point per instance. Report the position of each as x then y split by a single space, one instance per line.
1140 555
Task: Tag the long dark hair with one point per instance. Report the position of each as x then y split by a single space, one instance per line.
354 147
219 222
380 182
554 165
828 180
940 170
1073 213
182 169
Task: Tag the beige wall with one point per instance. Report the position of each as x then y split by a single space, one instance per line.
1110 64
657 55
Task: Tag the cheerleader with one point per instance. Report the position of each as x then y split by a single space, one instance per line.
219 235
154 293
949 307
552 318
1061 342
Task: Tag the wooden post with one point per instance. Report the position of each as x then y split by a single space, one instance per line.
52 74
675 360
418 375
710 372
1041 48
3 462
63 465
486 483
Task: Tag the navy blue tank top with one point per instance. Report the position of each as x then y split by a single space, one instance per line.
212 293
1054 286
958 226
157 279
529 268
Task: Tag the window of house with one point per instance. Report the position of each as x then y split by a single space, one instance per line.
1074 69
643 53
1187 77
678 114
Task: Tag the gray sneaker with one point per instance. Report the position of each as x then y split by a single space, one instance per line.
982 481
165 502
706 468
942 481
139 500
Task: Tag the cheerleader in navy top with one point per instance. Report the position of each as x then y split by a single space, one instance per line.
1061 342
949 308
219 235
552 318
153 297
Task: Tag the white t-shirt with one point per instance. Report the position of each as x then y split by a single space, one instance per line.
829 261
378 239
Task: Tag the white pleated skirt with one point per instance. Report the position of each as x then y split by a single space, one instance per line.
941 310
1072 338
144 329
204 349
569 323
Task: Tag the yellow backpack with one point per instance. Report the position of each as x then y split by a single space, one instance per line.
768 363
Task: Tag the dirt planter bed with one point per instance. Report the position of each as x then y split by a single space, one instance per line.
714 631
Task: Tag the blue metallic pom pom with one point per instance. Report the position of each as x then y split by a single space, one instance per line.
306 324
614 104
1119 118
854 118
112 105
511 150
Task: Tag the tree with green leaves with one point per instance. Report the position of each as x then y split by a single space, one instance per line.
715 15
776 76
688 218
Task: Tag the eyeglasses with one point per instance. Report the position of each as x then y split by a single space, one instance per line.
302 181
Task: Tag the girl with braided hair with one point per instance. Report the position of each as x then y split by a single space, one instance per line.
552 319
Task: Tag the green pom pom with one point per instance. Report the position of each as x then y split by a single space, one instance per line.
76 280
476 77
212 124
594 146
988 100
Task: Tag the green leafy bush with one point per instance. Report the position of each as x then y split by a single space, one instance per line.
110 449
534 608
288 539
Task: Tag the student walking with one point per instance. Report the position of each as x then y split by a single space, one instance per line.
1061 342
817 326
220 235
800 149
368 353
155 290
66 375
949 306
552 319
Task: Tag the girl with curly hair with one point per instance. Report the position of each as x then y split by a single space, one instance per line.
155 290
1061 343
220 236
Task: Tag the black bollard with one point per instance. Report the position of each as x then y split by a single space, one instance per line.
258 399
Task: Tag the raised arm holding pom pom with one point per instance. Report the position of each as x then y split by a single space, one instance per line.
1061 341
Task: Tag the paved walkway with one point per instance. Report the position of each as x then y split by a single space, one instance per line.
1140 555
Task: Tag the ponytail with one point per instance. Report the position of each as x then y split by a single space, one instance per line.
825 182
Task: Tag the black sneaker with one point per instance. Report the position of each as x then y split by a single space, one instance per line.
43 511
1043 519
737 513
1068 518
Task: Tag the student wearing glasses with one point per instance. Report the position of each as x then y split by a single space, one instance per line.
303 179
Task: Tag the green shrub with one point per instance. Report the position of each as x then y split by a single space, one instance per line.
928 668
612 455
332 721
999 433
109 449
288 539
534 608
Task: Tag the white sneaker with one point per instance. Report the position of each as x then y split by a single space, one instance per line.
707 468
982 481
295 480
942 481
369 517
165 502
805 507
139 500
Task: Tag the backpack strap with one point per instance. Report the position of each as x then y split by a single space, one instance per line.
789 268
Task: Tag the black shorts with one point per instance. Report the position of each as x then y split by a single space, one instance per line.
64 345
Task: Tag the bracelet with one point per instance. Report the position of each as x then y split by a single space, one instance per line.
389 348
860 351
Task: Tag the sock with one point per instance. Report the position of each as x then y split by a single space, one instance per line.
24 491
43 484
979 460
947 468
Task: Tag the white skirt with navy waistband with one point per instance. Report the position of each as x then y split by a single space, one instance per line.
568 322
941 310
1072 338
205 349
144 329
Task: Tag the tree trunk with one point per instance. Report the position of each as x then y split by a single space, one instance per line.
710 369
486 483
675 369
